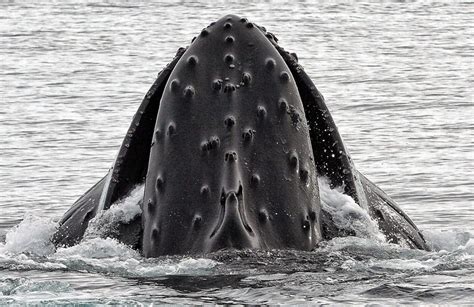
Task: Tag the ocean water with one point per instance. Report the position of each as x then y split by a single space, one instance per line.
397 77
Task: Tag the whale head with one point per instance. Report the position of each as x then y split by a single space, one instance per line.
229 142
231 163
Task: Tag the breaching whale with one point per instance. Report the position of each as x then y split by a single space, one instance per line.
229 142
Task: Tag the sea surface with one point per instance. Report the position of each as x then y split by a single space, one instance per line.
397 77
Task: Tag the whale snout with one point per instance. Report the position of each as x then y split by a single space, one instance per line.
232 228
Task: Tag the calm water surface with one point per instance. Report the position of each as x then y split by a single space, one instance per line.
397 78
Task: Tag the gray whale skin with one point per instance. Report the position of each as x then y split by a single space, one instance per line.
229 142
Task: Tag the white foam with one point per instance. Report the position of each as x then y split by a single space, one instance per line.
112 257
123 211
32 236
451 240
346 213
97 248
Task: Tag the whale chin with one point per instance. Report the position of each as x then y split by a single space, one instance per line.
229 142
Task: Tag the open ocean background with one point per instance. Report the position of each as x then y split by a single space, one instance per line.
397 77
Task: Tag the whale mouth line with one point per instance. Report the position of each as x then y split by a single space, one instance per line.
227 214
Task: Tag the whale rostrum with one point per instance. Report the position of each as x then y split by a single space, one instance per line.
229 142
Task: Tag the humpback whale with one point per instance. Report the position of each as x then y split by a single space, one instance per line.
229 143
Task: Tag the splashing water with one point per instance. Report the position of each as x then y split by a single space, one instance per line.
31 236
123 211
359 263
346 213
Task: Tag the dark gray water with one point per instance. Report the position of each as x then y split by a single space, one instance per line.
397 78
